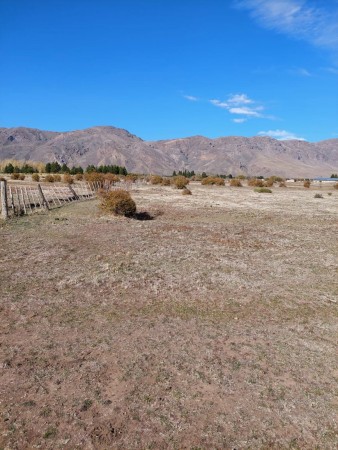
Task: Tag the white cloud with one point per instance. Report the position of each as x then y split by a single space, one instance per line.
298 18
245 111
240 99
241 104
190 98
242 120
281 135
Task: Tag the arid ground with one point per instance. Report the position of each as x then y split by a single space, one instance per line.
212 326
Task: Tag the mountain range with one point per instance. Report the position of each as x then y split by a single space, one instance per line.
233 154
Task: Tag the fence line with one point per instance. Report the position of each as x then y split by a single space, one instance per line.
17 200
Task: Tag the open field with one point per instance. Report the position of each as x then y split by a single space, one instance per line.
212 326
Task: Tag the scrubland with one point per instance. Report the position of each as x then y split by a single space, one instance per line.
211 326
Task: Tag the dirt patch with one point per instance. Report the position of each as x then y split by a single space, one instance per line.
213 325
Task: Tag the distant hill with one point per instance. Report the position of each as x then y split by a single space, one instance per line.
233 154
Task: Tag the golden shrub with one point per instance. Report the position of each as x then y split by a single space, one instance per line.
117 202
156 179
235 182
67 178
180 182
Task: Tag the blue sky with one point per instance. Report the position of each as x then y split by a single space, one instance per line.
172 68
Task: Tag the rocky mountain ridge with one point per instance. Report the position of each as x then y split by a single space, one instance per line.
233 154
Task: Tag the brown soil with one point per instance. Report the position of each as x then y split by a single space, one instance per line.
212 326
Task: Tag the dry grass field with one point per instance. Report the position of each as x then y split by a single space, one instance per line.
212 326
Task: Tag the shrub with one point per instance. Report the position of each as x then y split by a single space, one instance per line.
186 191
255 182
111 178
67 178
307 184
35 177
318 196
156 179
263 190
282 184
180 182
212 180
57 177
269 182
329 193
335 186
117 202
22 177
15 176
50 178
95 177
79 176
131 177
235 182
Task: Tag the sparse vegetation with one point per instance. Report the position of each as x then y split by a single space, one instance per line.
263 190
117 202
186 191
49 178
129 329
318 196
67 178
307 184
235 182
256 182
213 180
180 182
36 177
156 179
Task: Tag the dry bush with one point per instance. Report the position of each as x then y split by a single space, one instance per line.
67 178
57 177
79 177
307 184
213 180
180 182
35 177
282 184
94 177
50 178
235 182
131 177
318 196
111 179
335 186
269 182
22 177
15 176
156 179
241 177
255 182
117 202
166 182
262 190
186 191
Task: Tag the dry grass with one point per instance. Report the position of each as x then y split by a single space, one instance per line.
213 326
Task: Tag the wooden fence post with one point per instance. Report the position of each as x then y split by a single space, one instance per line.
4 204
43 198
73 192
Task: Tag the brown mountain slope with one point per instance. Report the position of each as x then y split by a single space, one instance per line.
109 145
